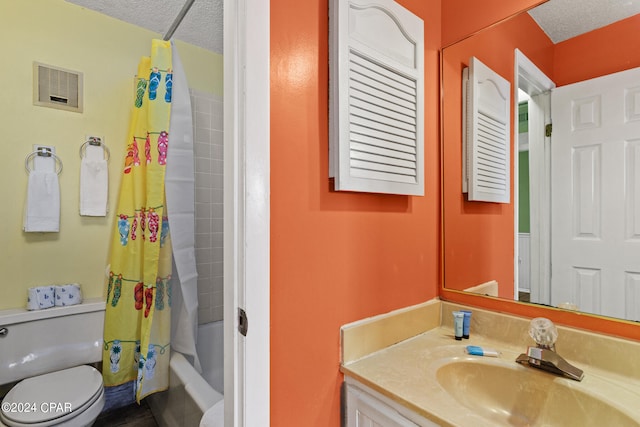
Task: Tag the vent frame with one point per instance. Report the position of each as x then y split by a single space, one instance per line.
73 93
376 97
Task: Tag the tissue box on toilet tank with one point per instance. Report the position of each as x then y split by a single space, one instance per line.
40 297
69 294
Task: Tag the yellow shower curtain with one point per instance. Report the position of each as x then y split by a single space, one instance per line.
138 317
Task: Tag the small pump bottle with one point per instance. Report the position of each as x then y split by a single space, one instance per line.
466 324
458 323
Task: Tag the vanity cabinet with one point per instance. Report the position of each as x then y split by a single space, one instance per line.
367 408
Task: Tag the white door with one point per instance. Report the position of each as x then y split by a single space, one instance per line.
595 195
531 80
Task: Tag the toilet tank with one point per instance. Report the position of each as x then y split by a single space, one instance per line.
41 341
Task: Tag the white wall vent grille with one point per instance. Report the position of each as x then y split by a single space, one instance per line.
58 88
376 98
382 122
487 134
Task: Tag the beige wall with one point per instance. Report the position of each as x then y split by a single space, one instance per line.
107 51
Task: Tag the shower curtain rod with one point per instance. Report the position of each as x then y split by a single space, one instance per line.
178 20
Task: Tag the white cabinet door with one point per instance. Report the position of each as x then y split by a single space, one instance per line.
364 411
485 138
376 97
367 408
595 187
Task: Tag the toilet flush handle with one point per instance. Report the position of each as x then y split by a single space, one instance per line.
3 332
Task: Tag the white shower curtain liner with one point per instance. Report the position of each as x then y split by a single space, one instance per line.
180 195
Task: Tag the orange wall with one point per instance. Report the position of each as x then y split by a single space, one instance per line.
613 48
335 257
478 236
460 18
339 257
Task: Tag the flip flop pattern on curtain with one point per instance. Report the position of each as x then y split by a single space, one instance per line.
138 315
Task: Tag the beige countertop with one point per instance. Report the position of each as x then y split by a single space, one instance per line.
407 371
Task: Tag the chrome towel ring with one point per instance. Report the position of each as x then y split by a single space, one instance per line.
96 142
43 152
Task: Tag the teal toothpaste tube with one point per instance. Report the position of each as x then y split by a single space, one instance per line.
475 350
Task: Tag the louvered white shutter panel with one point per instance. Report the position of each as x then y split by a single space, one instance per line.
487 135
376 105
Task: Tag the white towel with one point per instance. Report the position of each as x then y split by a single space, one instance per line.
42 210
94 182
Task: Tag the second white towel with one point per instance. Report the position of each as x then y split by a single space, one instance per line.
94 182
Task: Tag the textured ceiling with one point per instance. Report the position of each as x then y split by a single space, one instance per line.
202 26
564 19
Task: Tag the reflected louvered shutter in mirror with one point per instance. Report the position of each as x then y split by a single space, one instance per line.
376 105
486 134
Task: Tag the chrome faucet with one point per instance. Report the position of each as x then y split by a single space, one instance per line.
544 355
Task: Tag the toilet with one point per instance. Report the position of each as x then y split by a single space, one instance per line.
48 354
214 416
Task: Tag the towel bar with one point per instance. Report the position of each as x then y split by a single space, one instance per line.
43 152
96 142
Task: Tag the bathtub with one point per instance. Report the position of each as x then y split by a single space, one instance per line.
190 394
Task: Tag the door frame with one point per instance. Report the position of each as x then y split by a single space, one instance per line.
246 211
536 84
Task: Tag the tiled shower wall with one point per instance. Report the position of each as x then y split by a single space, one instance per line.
207 123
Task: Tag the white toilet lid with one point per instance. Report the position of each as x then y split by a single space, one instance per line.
54 395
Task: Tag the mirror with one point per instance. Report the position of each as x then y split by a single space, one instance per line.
514 250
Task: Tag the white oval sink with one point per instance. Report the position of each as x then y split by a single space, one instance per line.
512 395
